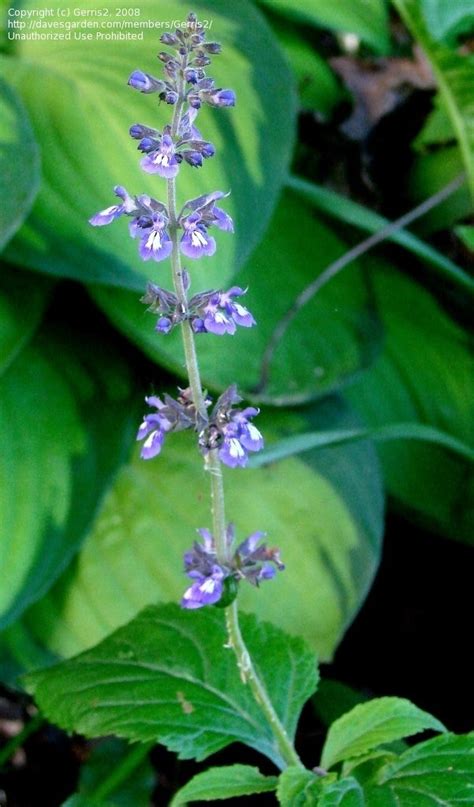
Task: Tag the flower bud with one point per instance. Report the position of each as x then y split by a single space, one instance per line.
221 98
143 82
169 39
212 47
170 97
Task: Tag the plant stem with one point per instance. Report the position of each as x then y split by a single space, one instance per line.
213 465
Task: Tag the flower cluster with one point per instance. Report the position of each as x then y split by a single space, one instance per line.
231 431
216 582
150 223
170 415
208 312
161 231
228 430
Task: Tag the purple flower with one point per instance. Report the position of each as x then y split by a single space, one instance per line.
154 428
115 211
220 98
154 239
239 436
215 580
218 313
195 241
163 160
207 589
145 83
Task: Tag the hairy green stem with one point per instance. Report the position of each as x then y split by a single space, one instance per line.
248 672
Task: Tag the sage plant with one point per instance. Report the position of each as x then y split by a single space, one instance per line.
225 432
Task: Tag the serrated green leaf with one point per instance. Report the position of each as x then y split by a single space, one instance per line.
298 787
368 19
324 510
59 449
432 774
81 109
225 782
309 362
167 677
424 380
454 74
19 164
345 793
371 724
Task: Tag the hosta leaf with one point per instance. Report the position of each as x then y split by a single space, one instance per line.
371 724
22 304
324 510
448 20
434 773
367 19
454 74
59 448
19 163
81 109
309 361
428 381
224 782
166 676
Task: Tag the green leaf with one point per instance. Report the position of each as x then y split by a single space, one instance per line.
447 20
167 677
318 87
19 164
114 775
224 782
368 20
323 509
454 74
434 773
374 723
346 210
298 443
345 793
466 234
81 108
309 362
298 787
334 698
59 449
427 380
22 304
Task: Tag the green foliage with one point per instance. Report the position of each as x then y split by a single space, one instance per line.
368 20
454 71
371 724
225 782
345 793
165 677
45 516
308 362
114 775
80 115
22 305
298 787
19 177
328 524
426 380
432 773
